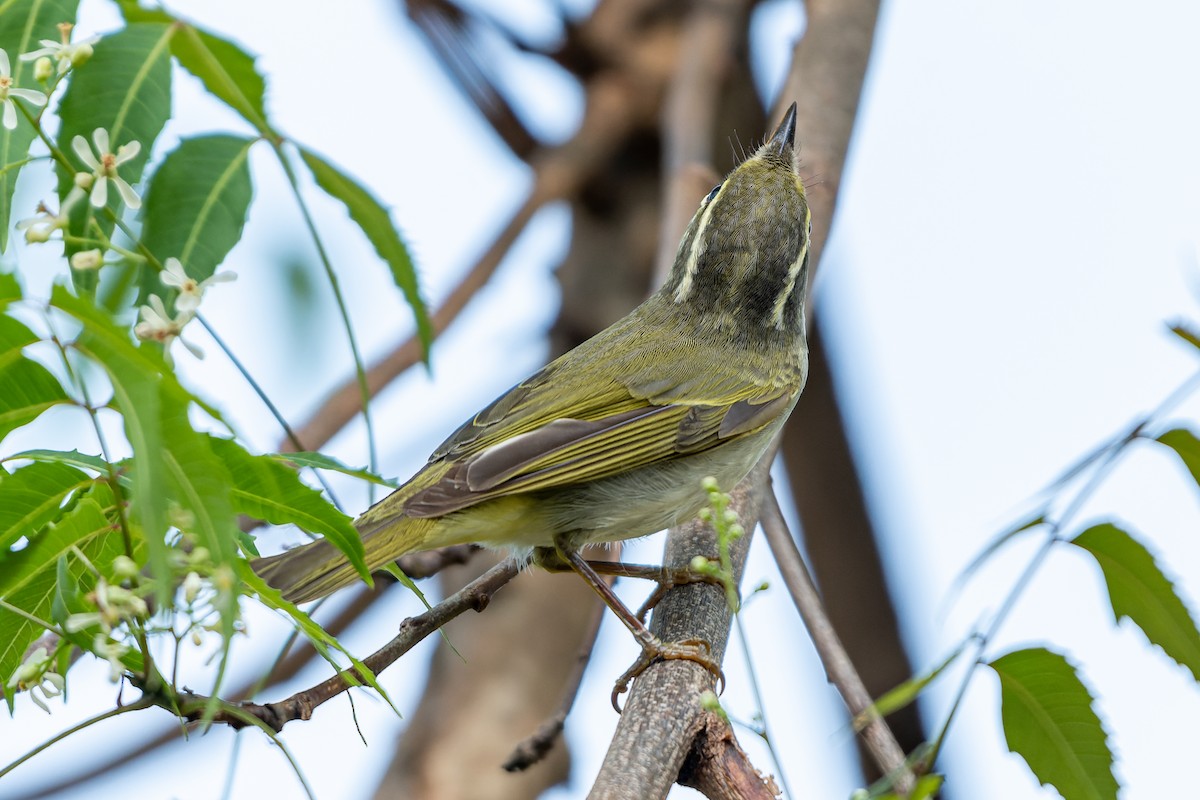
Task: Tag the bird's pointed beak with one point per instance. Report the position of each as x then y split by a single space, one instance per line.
783 141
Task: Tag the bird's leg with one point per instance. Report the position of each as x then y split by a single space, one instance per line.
666 577
653 648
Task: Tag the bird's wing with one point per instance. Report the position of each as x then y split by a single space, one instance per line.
534 437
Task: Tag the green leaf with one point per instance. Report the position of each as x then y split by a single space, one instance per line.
322 641
265 489
28 578
124 88
26 387
1140 592
196 205
10 288
22 24
994 546
201 485
1186 333
33 496
226 71
927 786
376 223
139 378
907 692
1186 446
1049 722
322 461
72 458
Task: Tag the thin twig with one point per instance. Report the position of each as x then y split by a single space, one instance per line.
557 173
533 748
878 737
301 705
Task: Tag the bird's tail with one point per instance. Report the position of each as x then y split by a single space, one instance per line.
307 572
318 568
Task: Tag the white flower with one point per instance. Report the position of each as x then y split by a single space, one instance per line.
111 651
104 167
39 228
87 259
66 53
35 676
157 326
190 290
191 587
8 92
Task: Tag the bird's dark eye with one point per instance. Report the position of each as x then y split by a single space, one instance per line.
713 193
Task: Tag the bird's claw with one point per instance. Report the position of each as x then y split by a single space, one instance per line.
698 651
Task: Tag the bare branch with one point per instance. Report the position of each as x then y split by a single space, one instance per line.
613 105
532 749
718 767
663 715
474 595
879 739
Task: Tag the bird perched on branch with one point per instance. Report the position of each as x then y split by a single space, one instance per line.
613 439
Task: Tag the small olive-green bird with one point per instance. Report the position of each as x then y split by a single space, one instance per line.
613 440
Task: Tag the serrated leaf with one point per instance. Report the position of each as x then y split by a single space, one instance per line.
202 486
1049 722
322 461
322 641
29 577
1186 446
265 489
907 692
374 220
22 24
1140 592
125 88
72 458
196 204
33 496
139 377
227 71
26 387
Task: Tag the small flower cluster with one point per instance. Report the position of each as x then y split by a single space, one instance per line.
36 675
159 326
206 591
116 607
66 54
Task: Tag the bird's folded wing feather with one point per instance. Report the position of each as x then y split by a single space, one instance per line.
614 428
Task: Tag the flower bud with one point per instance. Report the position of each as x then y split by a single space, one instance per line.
84 180
124 567
37 235
81 54
191 587
87 259
43 69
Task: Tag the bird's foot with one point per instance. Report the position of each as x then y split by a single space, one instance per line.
654 649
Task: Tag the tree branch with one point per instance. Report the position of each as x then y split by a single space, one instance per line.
300 705
613 106
879 739
663 716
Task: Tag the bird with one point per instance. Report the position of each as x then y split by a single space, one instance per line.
613 439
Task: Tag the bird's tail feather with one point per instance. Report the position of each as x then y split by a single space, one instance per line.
307 572
318 568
